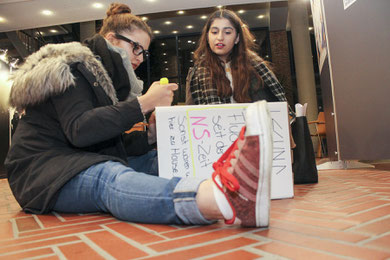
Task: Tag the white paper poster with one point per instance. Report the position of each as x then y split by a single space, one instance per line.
191 138
319 31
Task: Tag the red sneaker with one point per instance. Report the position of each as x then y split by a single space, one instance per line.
243 173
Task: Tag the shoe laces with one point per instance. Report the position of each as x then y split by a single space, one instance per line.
224 162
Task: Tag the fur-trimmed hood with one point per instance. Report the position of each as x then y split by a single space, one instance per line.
47 72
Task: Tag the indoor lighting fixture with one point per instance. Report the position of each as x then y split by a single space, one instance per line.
219 6
2 19
180 12
175 32
163 44
144 18
189 26
310 28
97 5
260 16
241 11
165 62
164 53
203 17
47 12
189 41
168 22
53 31
156 31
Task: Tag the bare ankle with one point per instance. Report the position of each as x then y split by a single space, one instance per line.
206 201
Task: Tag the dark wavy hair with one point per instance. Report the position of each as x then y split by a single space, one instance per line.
242 54
119 19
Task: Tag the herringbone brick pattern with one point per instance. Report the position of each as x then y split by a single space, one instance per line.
345 216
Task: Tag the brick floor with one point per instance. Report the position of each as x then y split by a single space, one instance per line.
345 216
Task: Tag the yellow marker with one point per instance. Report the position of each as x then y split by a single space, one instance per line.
164 81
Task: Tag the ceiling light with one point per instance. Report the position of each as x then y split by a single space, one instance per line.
189 41
166 69
168 22
151 1
219 6
203 17
260 16
156 31
164 53
163 44
144 18
189 26
53 31
165 62
241 11
2 19
310 28
180 12
47 12
174 32
97 5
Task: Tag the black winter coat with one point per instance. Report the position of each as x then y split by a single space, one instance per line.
72 120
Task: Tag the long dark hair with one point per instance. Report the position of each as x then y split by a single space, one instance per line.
119 19
242 54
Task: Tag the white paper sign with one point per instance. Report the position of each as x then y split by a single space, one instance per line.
348 3
191 138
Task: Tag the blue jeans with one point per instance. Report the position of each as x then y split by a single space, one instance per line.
132 193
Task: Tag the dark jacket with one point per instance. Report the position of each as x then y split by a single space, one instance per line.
75 112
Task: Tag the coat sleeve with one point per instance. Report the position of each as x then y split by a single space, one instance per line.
85 121
191 84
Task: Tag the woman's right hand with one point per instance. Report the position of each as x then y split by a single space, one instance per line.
157 95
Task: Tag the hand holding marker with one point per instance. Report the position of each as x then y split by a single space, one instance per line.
165 81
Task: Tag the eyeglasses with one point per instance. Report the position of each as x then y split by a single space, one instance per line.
137 48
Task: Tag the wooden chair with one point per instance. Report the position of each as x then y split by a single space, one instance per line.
320 133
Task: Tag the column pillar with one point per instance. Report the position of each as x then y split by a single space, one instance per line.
303 56
87 29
